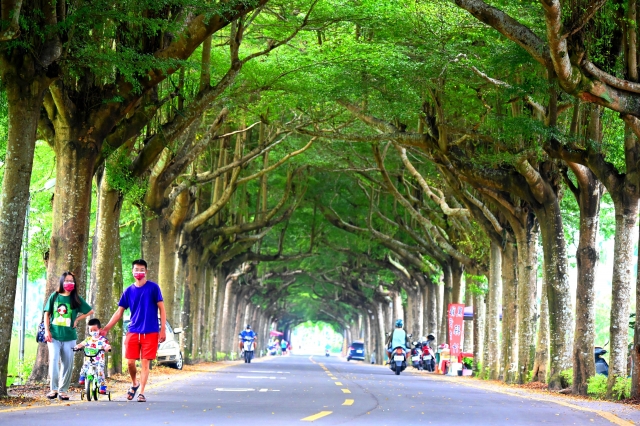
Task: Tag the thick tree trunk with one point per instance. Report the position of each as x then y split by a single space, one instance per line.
105 248
558 291
527 240
71 218
166 277
626 210
492 341
457 272
431 307
412 314
590 193
441 325
381 333
150 244
541 363
447 299
509 347
468 325
479 310
104 270
116 339
398 309
24 101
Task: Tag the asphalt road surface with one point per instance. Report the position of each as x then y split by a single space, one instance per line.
300 389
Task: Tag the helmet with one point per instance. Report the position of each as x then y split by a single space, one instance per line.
248 327
399 323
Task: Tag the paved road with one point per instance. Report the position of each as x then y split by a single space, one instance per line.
297 389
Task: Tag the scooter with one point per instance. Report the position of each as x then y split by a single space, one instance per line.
247 349
428 356
416 356
601 364
398 361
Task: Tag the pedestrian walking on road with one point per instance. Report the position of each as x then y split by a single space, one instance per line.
144 300
60 321
283 346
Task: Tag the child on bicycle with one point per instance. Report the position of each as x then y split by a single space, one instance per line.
96 341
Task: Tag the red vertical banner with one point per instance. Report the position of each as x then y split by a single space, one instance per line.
455 317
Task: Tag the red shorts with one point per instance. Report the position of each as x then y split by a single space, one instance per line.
139 346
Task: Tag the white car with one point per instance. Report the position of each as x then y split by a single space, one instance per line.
168 351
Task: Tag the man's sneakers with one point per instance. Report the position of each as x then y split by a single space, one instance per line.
103 390
81 381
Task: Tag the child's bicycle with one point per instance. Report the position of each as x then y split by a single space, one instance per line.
91 381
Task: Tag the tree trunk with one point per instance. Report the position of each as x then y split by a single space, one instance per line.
398 310
381 334
626 210
166 277
412 314
105 249
457 272
217 302
24 101
441 325
527 240
509 348
106 263
468 325
446 300
71 218
590 193
479 310
541 363
116 338
150 244
431 307
492 341
558 291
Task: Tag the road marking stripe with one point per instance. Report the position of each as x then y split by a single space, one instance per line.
172 380
348 402
338 383
316 416
346 391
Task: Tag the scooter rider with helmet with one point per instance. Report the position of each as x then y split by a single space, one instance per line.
248 333
398 338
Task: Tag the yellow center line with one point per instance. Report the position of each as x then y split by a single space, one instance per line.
348 402
316 416
346 391
338 383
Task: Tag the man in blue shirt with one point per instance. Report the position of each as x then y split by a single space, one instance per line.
249 334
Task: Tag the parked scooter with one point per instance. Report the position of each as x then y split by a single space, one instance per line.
601 364
428 356
416 355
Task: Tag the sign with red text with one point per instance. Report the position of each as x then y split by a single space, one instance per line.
455 317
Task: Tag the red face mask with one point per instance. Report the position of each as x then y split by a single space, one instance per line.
68 286
139 275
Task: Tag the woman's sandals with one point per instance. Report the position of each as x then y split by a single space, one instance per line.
52 395
141 398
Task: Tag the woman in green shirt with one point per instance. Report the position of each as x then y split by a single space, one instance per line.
60 321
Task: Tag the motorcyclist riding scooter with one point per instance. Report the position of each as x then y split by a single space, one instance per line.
248 343
398 345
